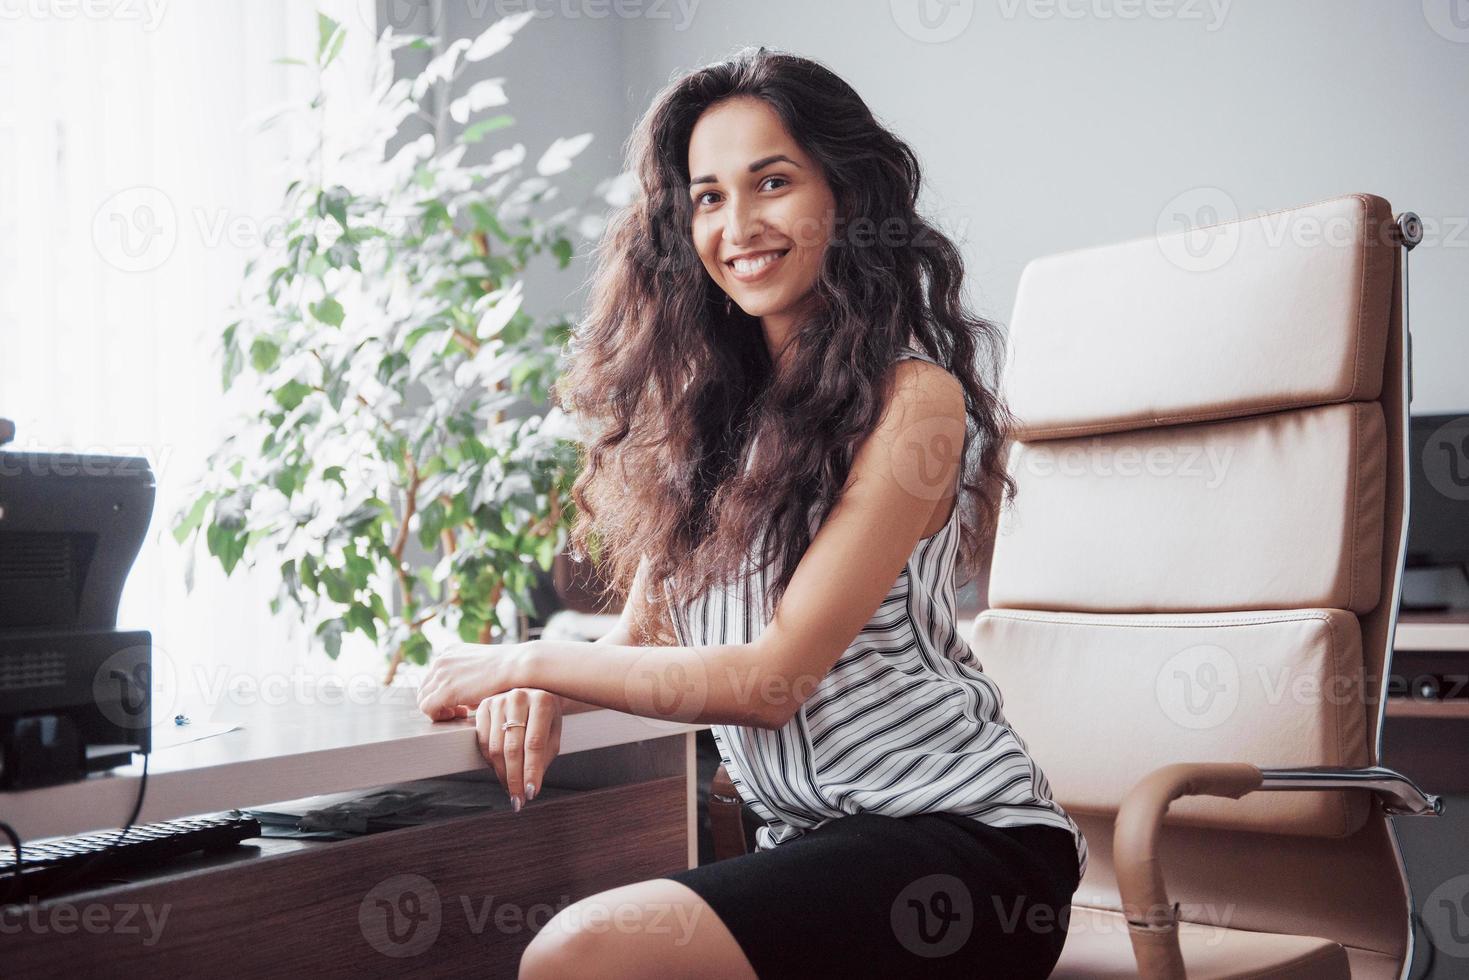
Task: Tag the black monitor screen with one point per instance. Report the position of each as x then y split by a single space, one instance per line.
1438 511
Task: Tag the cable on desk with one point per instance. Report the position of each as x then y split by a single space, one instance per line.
92 861
9 831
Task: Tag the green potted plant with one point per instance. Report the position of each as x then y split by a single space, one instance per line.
381 342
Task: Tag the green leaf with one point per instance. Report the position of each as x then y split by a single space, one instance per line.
329 35
343 253
286 480
475 132
379 608
332 202
546 552
330 632
359 568
273 288
328 311
291 394
230 344
435 216
225 545
290 578
338 589
359 617
417 648
193 518
308 572
264 353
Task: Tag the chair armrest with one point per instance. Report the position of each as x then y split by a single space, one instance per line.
1152 922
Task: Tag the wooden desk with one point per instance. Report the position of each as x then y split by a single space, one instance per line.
1433 631
1429 740
483 883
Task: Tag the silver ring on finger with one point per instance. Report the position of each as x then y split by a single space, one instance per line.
507 725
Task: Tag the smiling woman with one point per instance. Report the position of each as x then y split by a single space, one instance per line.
761 229
799 600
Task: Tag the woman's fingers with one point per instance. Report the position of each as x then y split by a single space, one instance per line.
487 730
542 739
521 754
517 709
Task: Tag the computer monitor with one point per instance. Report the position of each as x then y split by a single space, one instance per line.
1438 513
74 689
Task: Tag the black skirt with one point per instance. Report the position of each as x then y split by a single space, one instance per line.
928 895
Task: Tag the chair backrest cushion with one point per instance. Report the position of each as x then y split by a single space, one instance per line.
1197 541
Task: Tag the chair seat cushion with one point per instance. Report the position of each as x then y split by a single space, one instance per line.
1098 947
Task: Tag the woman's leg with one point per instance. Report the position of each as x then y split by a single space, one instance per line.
650 928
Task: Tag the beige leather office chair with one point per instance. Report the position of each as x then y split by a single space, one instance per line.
1193 596
1193 599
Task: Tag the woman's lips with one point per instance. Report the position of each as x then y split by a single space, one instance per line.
760 273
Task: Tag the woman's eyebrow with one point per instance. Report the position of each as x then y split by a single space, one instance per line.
760 164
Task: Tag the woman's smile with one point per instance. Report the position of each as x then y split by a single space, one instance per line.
755 266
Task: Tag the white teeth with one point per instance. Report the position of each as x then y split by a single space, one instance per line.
747 266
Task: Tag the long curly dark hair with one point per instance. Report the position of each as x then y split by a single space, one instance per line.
670 386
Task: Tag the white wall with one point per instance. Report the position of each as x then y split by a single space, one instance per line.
1052 125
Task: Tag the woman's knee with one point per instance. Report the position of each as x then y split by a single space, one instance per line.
551 953
570 943
654 927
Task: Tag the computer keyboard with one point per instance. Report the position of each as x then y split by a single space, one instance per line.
71 861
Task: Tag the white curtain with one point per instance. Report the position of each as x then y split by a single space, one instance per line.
132 185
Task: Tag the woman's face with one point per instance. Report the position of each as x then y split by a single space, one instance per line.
755 194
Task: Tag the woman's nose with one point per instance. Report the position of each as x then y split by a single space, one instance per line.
741 223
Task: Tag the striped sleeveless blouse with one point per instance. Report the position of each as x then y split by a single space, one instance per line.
905 722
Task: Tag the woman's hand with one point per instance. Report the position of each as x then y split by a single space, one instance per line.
461 677
519 755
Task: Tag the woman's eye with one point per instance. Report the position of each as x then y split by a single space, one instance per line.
699 201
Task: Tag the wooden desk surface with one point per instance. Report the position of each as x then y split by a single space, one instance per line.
1433 631
284 752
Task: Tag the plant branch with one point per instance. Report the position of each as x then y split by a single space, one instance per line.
400 543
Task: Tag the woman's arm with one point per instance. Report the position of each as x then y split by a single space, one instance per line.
899 473
621 634
629 672
723 684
